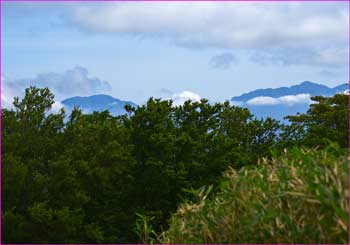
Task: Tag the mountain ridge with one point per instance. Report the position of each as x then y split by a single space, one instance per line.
98 102
281 101
305 87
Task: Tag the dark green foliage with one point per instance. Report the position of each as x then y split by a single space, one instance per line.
101 179
326 120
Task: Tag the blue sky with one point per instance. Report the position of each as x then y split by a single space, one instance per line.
136 50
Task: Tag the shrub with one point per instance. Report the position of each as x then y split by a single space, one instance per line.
298 197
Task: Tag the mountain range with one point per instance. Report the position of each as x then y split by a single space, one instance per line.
306 87
281 102
273 102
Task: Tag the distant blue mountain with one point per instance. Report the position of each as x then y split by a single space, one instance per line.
99 102
281 102
341 88
276 103
304 88
278 112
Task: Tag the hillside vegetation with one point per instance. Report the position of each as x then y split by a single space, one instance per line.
299 197
97 178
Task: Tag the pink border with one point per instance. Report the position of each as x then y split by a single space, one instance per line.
174 0
349 126
0 122
348 173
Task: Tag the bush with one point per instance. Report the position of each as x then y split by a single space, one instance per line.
298 197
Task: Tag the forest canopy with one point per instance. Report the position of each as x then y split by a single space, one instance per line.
92 178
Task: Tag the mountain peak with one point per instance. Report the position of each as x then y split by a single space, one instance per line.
98 102
308 83
98 97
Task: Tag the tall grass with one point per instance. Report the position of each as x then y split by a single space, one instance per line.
298 197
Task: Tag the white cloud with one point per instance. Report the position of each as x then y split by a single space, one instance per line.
180 98
222 24
295 99
8 92
324 57
347 92
56 107
285 29
263 100
74 82
285 100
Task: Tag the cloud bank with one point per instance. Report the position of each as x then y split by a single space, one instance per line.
222 24
74 82
326 57
279 28
289 100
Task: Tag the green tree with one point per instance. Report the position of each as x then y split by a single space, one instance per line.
326 120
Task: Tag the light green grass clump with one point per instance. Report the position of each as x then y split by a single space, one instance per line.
299 197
